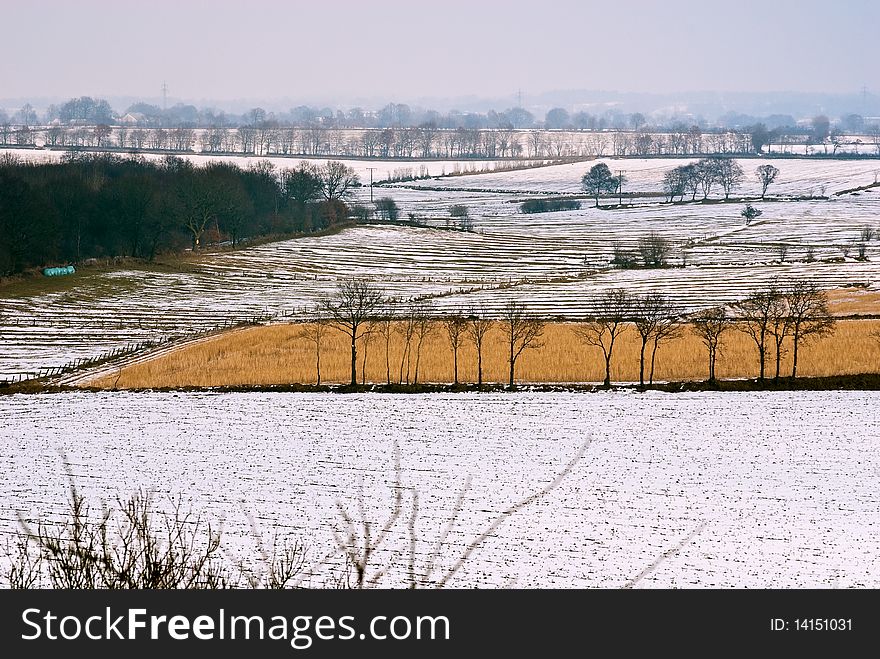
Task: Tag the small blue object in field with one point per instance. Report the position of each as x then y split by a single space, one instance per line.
58 272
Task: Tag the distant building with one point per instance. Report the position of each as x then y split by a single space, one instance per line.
132 119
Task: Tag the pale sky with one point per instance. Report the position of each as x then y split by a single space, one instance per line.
399 51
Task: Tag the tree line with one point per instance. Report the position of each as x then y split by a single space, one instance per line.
98 206
779 318
427 140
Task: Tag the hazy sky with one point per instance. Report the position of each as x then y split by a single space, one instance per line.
327 50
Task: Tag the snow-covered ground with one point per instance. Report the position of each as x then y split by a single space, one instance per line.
796 177
783 485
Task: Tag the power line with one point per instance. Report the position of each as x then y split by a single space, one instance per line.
164 96
372 169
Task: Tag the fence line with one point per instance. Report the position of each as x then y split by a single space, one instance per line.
82 363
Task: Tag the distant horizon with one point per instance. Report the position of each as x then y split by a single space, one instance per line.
744 102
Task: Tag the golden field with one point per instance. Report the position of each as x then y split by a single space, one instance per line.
277 354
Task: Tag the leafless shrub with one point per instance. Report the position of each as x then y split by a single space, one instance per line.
360 541
654 250
138 546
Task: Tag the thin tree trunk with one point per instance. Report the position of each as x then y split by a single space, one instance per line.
480 365
404 361
642 364
418 360
762 359
318 361
607 382
653 356
388 358
512 362
354 377
364 365
455 365
794 354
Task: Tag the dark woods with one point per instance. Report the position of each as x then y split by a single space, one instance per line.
99 206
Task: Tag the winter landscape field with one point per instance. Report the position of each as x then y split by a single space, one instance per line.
754 490
556 263
574 330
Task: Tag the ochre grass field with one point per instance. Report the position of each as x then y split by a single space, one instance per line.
275 354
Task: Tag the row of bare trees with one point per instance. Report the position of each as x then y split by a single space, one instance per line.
426 140
775 318
359 310
798 311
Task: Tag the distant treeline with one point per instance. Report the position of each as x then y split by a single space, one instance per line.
98 206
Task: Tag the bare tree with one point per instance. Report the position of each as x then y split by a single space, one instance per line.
198 204
461 214
766 174
690 174
667 328
384 328
654 318
315 332
709 325
755 317
654 250
865 236
337 179
675 183
456 327
612 314
706 175
875 137
728 173
366 339
424 327
477 328
387 208
780 328
406 328
521 331
808 314
351 307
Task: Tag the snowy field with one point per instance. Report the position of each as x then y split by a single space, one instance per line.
796 177
556 263
783 485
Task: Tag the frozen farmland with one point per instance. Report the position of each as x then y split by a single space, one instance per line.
780 488
556 263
